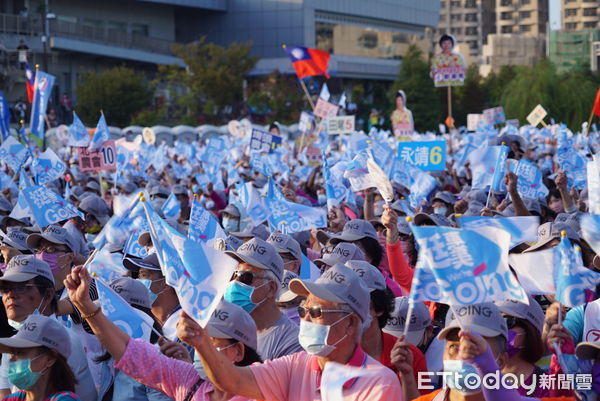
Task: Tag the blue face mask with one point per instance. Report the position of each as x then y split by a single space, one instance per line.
440 210
21 375
458 380
148 283
241 295
230 225
313 337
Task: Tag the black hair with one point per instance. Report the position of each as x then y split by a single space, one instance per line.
43 285
383 302
273 125
446 37
61 376
373 249
250 354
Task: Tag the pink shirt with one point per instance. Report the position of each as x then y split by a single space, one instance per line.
144 363
297 377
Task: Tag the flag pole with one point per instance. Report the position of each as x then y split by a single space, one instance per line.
312 105
587 131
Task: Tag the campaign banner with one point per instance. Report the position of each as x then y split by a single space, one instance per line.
105 158
426 155
263 142
403 132
495 115
473 121
449 76
325 110
537 115
340 125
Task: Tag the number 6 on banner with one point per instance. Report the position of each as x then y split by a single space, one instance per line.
435 155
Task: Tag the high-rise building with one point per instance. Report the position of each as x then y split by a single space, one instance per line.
525 17
580 14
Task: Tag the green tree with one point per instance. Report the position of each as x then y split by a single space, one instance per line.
468 98
119 92
421 95
495 83
213 77
280 95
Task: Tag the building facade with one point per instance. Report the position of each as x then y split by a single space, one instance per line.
580 14
572 49
523 17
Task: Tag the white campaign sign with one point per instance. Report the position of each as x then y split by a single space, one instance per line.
593 181
537 115
340 125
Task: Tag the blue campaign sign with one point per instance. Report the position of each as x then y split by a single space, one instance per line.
263 142
426 155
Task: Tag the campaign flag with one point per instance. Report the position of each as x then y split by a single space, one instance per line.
308 270
426 155
47 206
29 82
107 266
132 247
289 217
306 122
42 89
4 117
487 166
593 182
48 167
590 230
424 286
325 95
101 134
308 62
78 134
596 108
13 153
253 203
134 323
21 209
574 282
358 141
203 224
470 266
571 160
171 208
335 190
421 188
126 219
530 183
535 271
521 228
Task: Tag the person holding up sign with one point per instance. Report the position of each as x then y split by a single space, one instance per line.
401 118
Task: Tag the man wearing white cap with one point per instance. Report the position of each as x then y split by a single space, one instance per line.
337 304
27 288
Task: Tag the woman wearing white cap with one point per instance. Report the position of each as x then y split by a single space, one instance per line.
232 331
38 362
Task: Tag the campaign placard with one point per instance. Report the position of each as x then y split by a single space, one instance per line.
104 158
426 155
263 142
340 125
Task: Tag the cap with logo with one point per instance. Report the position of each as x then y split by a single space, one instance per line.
150 262
343 252
22 268
259 253
285 244
403 227
549 231
36 331
422 219
533 312
15 238
419 321
570 219
484 318
355 230
445 197
95 206
371 275
284 294
233 243
338 284
52 233
231 321
231 210
132 291
260 231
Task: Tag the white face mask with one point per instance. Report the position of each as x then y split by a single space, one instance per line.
313 337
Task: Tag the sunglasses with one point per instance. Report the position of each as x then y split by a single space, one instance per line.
16 289
316 311
51 249
511 321
246 277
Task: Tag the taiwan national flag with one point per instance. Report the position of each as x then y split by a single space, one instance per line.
308 62
29 82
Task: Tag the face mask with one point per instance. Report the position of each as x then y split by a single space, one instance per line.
457 380
292 314
21 375
230 225
313 337
93 229
511 349
241 295
148 284
322 199
51 259
14 324
440 210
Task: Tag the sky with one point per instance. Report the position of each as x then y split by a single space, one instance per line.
554 14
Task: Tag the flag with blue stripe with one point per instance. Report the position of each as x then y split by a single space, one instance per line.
335 190
254 204
530 183
13 153
590 230
42 89
203 224
4 117
48 167
101 135
171 208
487 166
48 207
521 228
78 134
107 266
574 282
291 217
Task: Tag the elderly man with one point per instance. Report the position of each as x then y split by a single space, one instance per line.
332 316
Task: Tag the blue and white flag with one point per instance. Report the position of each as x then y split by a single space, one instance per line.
253 203
292 218
13 153
421 188
107 266
530 183
358 141
571 161
325 95
48 207
134 323
101 135
42 88
590 230
487 166
171 208
424 285
574 282
4 117
48 167
203 225
21 209
470 266
335 190
521 228
78 134
132 247
593 182
308 270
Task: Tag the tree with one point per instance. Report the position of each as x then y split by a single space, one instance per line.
119 92
470 97
213 77
280 95
421 95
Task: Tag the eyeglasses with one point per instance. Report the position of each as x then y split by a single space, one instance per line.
246 277
316 311
225 347
17 289
511 321
51 249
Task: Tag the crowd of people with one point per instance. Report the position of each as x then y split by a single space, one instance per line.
299 300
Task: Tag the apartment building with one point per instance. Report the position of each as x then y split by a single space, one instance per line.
525 17
580 14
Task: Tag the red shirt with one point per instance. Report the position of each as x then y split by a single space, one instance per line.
419 361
